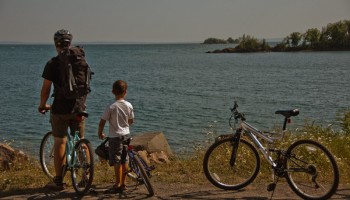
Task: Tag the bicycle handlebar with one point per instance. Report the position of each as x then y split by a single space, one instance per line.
237 115
286 113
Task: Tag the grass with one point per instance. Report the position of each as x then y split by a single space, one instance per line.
188 168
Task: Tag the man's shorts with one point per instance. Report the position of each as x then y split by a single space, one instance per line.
60 124
115 151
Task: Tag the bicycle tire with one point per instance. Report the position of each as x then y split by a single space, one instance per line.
82 172
141 172
218 170
318 163
144 163
46 155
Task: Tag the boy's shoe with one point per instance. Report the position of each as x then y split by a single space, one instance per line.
120 189
123 187
57 184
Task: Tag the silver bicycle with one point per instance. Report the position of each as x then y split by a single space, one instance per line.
233 161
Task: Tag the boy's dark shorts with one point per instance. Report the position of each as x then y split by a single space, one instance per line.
60 124
115 150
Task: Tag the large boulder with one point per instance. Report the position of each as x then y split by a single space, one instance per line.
152 142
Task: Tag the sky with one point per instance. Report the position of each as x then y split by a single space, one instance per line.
162 21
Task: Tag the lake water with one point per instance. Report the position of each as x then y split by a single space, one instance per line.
179 89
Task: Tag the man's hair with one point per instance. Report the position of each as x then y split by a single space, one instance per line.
119 87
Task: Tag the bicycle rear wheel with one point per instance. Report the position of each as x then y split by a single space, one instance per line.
312 171
221 173
46 155
83 167
141 173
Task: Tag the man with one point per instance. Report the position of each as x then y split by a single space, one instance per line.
62 109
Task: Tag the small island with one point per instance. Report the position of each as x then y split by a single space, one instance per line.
333 37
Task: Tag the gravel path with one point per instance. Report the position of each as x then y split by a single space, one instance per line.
169 191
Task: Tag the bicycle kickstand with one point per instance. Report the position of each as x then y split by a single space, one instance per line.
272 187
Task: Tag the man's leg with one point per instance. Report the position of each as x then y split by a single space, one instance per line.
59 155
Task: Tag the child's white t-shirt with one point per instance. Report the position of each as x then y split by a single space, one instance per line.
118 114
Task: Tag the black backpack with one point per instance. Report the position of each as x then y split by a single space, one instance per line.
75 76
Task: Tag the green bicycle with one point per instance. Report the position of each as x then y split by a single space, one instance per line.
79 160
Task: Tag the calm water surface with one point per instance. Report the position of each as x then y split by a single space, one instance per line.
179 89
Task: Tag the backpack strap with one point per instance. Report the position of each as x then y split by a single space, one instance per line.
71 78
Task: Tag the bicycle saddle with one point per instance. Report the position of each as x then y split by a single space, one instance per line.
288 113
83 114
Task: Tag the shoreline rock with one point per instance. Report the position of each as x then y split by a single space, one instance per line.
152 146
10 156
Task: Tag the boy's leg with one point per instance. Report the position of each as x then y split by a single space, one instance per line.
118 173
115 151
123 173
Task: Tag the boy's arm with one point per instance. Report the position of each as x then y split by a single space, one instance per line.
101 126
131 117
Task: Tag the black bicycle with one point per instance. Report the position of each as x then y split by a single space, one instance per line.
138 169
233 162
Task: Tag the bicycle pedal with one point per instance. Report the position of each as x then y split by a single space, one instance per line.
271 187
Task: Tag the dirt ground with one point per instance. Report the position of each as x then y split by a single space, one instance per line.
165 191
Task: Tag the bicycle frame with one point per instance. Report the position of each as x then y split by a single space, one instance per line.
253 134
70 152
131 152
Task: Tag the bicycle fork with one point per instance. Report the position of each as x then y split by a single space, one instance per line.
235 143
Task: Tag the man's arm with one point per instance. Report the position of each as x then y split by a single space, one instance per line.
44 96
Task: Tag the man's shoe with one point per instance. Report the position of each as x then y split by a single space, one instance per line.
55 186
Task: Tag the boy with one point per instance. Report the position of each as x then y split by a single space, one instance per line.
120 116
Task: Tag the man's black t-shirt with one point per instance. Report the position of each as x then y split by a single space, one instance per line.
52 73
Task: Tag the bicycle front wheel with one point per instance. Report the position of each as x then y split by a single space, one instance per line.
141 173
312 170
46 155
83 167
226 174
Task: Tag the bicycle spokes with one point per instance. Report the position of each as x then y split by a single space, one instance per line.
83 167
311 170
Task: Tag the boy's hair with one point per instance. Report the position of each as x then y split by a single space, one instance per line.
119 87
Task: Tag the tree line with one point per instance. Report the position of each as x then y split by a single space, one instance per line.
334 36
220 41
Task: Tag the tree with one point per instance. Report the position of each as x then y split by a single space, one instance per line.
312 37
232 41
215 41
250 44
336 34
286 42
347 23
295 38
265 46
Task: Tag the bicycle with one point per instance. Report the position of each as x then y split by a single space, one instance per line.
79 160
232 162
138 169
